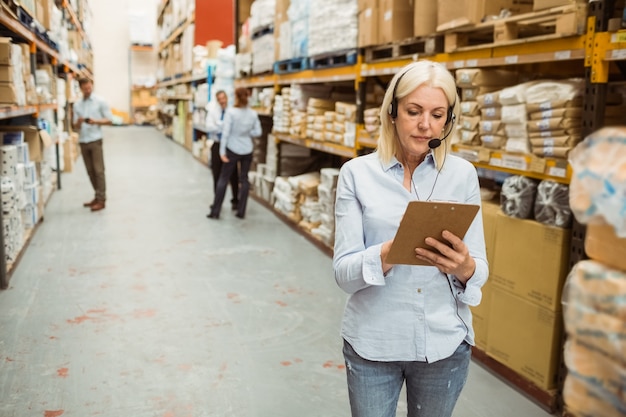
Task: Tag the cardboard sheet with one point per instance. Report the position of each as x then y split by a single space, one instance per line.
424 219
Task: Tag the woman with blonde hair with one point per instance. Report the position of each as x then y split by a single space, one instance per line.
241 124
408 324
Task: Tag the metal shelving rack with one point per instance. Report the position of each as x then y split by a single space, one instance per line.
49 54
593 52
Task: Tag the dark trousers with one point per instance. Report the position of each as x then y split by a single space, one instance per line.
235 161
94 162
216 168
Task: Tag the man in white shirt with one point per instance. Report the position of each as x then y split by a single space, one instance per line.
90 113
214 127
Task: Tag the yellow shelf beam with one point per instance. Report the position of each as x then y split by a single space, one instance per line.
324 75
547 168
182 79
142 48
17 111
162 7
74 19
257 81
327 147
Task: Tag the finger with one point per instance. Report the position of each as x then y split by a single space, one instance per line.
454 240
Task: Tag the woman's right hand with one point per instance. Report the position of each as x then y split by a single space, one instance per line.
224 158
384 251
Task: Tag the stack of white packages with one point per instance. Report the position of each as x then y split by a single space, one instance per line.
477 85
263 53
282 111
372 121
469 126
298 13
316 117
329 18
243 64
261 14
344 123
224 73
309 205
514 118
289 193
298 124
555 116
326 192
261 19
11 219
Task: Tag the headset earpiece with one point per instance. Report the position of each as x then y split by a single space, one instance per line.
393 107
450 117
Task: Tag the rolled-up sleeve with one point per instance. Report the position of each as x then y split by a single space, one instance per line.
471 293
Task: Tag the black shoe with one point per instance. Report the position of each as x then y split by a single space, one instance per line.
241 216
212 216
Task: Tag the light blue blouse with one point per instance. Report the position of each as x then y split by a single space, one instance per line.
95 108
413 313
240 126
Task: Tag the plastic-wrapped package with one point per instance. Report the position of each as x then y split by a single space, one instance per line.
517 197
594 311
598 186
552 204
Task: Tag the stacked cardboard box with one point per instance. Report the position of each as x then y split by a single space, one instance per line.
524 319
12 87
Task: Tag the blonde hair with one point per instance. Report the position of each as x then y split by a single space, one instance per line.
414 75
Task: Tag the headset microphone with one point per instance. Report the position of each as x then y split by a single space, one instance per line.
435 143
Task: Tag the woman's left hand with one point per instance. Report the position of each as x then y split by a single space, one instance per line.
454 260
224 158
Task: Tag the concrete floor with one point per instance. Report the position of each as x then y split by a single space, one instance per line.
149 309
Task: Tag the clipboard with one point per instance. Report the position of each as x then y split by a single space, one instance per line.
428 218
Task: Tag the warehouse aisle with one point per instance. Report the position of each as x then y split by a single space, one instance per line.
149 309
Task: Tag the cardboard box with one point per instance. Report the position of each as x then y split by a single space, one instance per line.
531 260
7 73
452 14
68 160
395 20
7 52
547 4
282 30
424 18
37 140
525 337
368 22
9 94
603 245
480 317
490 211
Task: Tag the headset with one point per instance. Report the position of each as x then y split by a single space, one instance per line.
393 112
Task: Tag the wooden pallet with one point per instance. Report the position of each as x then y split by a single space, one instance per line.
291 65
405 49
9 7
556 22
333 59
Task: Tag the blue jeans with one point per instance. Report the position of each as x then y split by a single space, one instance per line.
432 388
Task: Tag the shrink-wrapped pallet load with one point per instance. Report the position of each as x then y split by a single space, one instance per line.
594 297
